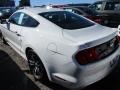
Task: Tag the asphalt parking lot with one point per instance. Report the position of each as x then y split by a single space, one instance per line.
15 75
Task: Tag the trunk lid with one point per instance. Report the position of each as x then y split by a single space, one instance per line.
91 36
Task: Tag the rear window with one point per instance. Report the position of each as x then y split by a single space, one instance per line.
67 20
112 6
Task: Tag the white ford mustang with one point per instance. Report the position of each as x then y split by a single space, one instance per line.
67 48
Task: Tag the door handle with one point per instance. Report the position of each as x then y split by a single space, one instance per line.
17 33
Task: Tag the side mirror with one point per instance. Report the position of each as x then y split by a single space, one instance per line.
6 20
8 24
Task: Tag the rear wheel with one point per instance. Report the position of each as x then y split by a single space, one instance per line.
36 66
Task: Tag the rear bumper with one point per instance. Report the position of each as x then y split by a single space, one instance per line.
80 76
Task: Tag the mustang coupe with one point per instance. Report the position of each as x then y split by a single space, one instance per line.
64 47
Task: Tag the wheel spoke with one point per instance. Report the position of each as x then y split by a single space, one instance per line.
35 66
31 62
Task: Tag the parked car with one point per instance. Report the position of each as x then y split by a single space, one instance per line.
6 12
110 8
71 5
58 6
80 4
67 48
87 12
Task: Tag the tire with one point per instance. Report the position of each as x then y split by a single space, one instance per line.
36 66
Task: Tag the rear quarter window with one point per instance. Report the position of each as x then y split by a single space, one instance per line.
28 21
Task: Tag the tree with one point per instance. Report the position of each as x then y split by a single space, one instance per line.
24 3
7 3
4 1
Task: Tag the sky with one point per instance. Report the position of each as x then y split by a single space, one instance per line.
47 2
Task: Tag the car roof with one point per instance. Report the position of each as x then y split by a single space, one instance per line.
37 10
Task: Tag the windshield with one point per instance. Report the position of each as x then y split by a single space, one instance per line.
67 20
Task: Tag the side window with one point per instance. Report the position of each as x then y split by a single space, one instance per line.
96 6
112 6
28 21
15 18
117 6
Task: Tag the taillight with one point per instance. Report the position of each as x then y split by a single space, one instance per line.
87 56
99 52
118 39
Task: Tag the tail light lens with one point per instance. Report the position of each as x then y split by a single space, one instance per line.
98 52
118 39
87 56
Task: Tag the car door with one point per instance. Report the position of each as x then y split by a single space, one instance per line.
13 32
28 26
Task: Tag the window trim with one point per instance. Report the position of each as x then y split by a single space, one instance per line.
93 23
11 16
22 18
32 18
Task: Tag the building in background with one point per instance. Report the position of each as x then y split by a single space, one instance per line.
7 3
23 3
